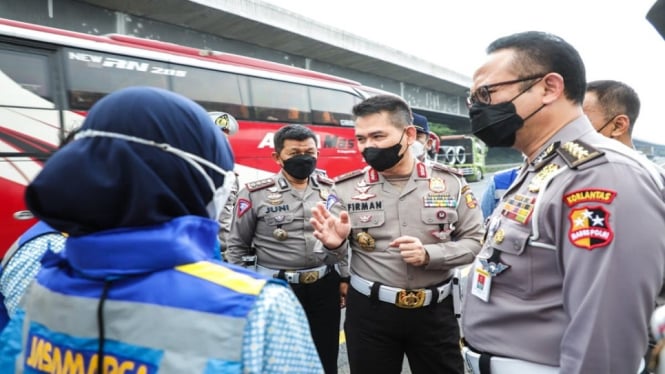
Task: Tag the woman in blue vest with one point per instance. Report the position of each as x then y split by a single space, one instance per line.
136 289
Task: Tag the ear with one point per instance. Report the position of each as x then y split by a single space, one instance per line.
620 126
554 87
411 134
275 157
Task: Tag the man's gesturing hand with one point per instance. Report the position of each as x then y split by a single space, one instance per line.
330 230
412 250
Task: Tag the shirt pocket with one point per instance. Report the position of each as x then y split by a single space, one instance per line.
367 220
440 221
370 222
512 244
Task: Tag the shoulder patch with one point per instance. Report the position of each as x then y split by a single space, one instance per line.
260 184
242 206
577 152
324 179
348 175
446 168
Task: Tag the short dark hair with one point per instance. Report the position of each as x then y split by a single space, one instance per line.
400 112
616 98
292 132
541 53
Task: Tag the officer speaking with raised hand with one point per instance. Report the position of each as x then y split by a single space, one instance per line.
272 219
408 226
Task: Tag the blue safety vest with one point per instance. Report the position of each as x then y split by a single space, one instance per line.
167 306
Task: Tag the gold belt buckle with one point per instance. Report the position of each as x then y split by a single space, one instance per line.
309 277
410 299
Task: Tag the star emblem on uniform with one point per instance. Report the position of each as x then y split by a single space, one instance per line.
598 221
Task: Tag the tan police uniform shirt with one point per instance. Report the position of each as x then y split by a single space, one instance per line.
581 254
273 218
435 205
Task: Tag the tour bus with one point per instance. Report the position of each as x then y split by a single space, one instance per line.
49 78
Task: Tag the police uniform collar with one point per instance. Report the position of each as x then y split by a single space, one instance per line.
282 182
372 176
421 170
580 126
313 182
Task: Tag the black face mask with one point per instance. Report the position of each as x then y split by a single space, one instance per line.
496 124
300 166
384 158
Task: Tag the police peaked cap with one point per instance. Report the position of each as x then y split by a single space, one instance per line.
420 122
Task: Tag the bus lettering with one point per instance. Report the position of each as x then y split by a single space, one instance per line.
111 62
267 141
334 141
85 57
172 72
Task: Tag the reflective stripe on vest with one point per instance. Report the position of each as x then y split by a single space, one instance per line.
64 331
223 276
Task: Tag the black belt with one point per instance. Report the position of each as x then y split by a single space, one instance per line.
484 361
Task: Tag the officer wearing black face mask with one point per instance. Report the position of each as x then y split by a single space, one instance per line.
408 225
563 256
271 217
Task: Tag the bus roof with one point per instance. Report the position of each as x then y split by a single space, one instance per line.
176 49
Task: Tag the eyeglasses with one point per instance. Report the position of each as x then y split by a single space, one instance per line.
483 94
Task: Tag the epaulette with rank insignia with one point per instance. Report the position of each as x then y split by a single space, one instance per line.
260 184
576 153
449 169
545 156
324 179
348 175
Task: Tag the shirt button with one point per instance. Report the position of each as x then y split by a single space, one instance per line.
404 224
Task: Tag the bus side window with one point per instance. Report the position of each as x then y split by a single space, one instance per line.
332 107
242 112
28 71
213 90
324 118
91 75
279 101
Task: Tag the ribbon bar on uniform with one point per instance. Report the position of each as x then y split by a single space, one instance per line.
402 298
